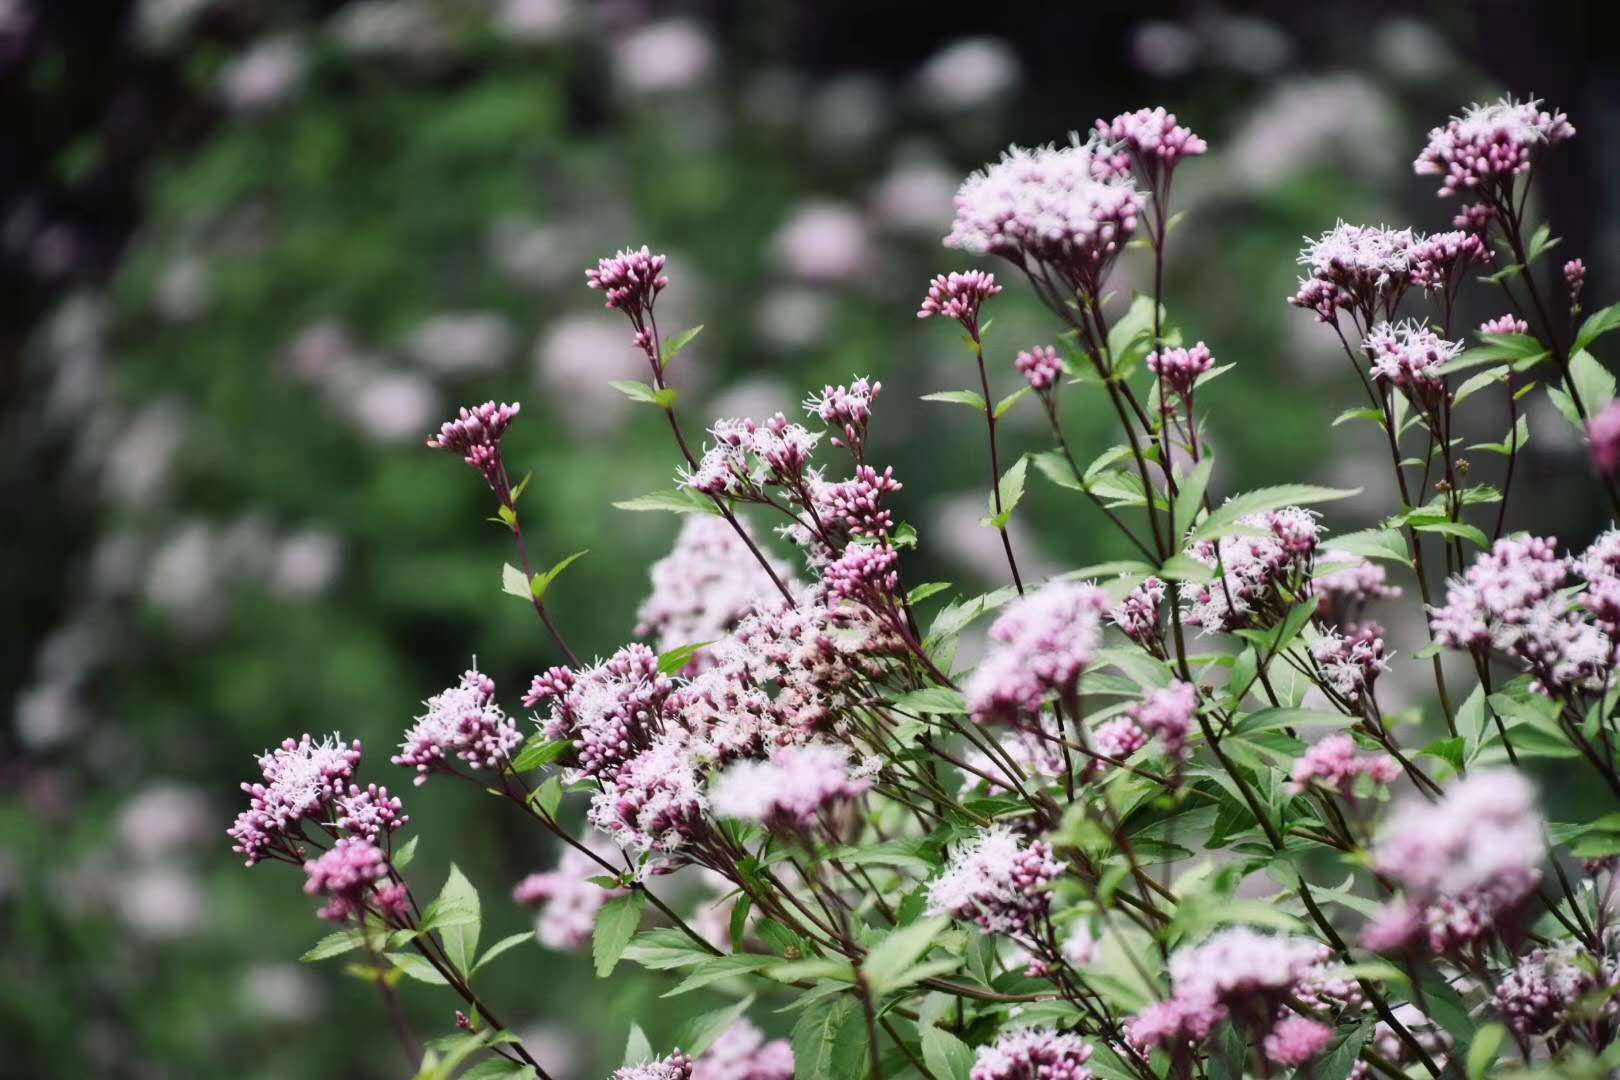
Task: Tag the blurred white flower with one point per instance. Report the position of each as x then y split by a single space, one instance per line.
793 317
954 524
180 578
574 360
306 563
1339 121
139 459
915 196
320 350
557 1046
462 343
159 23
411 29
285 993
823 242
48 714
162 903
392 406
759 395
847 114
1163 49
185 289
968 74
163 819
663 57
534 22
264 75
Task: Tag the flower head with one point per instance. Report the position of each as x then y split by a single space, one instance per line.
1041 644
742 1053
1603 439
997 883
847 410
1180 369
1504 324
463 722
1137 616
1033 1054
1040 367
1440 261
1364 269
301 780
631 280
675 1067
790 790
610 711
1351 662
568 900
1168 714
1334 764
475 434
348 875
1490 144
1295 1040
959 296
654 801
1410 356
1153 138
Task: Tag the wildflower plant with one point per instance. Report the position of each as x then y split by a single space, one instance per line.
1164 826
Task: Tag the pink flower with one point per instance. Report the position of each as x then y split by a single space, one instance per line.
997 883
1114 741
301 781
462 722
346 875
846 409
475 434
370 812
1535 997
1574 279
1179 369
959 296
1440 261
610 711
1603 439
1350 663
1410 355
654 801
742 1053
1490 144
790 790
1295 1040
1505 324
865 573
1168 715
1333 764
675 1067
1033 1054
1040 367
631 280
1137 615
1041 644
1364 269
1154 138
569 900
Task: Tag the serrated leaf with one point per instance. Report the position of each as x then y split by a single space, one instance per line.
548 796
1055 467
1371 544
1483 1051
674 345
946 1056
460 937
634 389
637 1048
417 968
722 967
1190 494
958 397
511 941
1254 502
898 951
513 583
673 661
1010 489
542 582
932 699
539 751
615 925
332 945
1596 325
406 853
701 1031
665 950
1376 416
829 1040
1012 399
680 501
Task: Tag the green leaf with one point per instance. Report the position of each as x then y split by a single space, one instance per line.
665 950
680 501
1276 719
1596 325
1055 467
507 943
499 1068
406 852
615 925
677 658
1190 494
946 1056
957 397
542 582
722 967
634 390
829 1040
513 583
932 699
332 945
1542 242
1593 380
1012 399
548 796
539 751
1226 515
417 968
1371 544
1455 528
925 590
461 937
897 952
674 345
637 1049
1339 1058
1010 491
701 1031
1376 416
1483 1051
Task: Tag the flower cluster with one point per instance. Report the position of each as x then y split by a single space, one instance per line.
1033 1054
1490 144
610 710
462 722
567 898
997 883
1603 439
1251 569
1512 599
1064 209
1535 997
1040 367
1153 138
790 791
675 1067
1168 715
1410 355
1441 261
1137 616
476 434
1334 764
747 457
350 875
1041 644
1360 269
742 1053
653 802
1346 585
301 781
1504 324
706 584
1180 369
846 410
1350 662
1464 865
631 280
959 295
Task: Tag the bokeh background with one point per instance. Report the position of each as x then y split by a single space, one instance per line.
253 251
